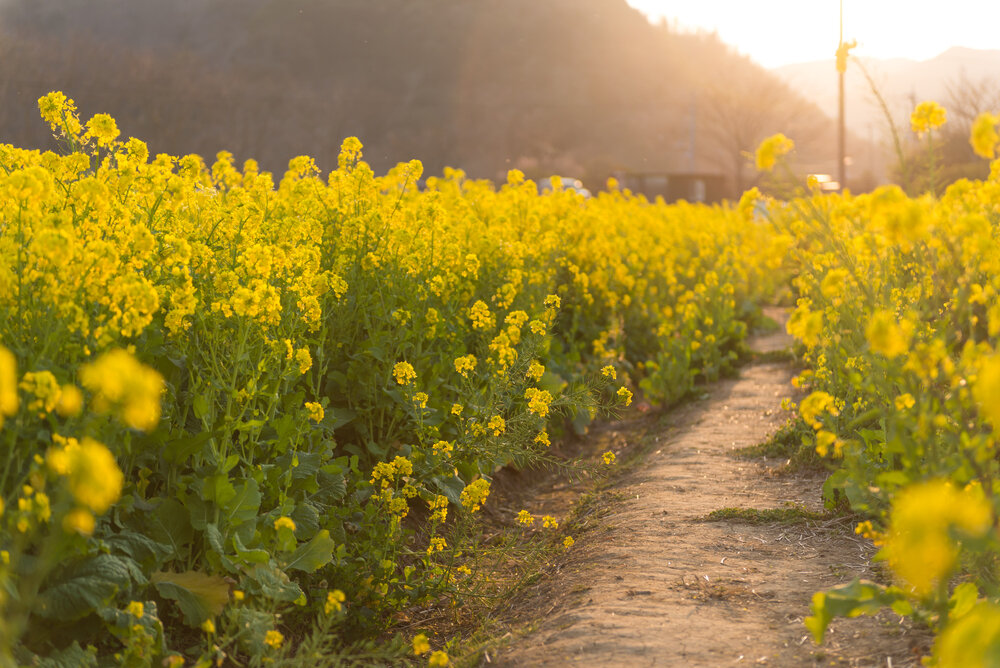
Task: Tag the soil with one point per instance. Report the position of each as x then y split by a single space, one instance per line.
651 582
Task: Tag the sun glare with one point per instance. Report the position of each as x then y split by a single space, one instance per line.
780 32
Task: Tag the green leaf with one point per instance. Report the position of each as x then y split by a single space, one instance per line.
217 543
73 656
306 519
249 556
179 449
451 487
272 583
169 525
199 595
253 625
312 555
859 597
138 547
963 599
83 588
218 488
244 505
200 406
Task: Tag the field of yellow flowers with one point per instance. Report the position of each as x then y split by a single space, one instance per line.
244 420
899 318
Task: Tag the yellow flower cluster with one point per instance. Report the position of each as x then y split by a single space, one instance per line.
120 382
92 471
475 493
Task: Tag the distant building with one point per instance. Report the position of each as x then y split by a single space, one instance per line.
673 186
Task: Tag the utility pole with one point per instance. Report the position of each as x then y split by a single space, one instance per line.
842 51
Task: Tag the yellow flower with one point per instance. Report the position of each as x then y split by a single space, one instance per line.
918 545
887 336
568 542
497 424
439 659
550 522
44 387
535 371
543 438
315 411
403 373
805 325
208 626
525 518
304 359
771 149
70 401
456 409
479 314
972 639
238 595
986 390
436 545
274 638
420 644
814 405
609 458
474 494
538 401
625 395
8 384
94 477
334 601
984 137
103 128
465 364
442 448
927 116
904 401
135 608
120 381
609 372
284 523
78 521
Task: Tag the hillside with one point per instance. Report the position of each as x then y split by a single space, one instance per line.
582 87
901 82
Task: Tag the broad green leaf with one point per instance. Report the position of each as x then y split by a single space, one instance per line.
178 450
244 505
218 488
859 597
170 525
73 656
272 583
451 487
312 555
199 595
83 588
963 599
306 519
249 556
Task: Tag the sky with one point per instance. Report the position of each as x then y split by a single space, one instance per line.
780 32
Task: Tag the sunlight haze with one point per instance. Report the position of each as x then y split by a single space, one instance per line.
780 32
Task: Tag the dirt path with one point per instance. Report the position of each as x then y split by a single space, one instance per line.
657 585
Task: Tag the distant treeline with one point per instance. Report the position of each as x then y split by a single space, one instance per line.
576 87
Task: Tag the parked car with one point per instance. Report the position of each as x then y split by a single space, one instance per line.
566 183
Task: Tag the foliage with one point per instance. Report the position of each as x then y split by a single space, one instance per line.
243 417
899 321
